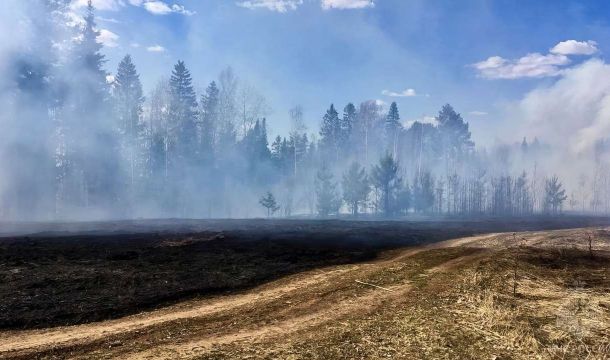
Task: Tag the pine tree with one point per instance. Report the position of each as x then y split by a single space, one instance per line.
326 193
347 124
356 187
392 128
269 203
330 133
555 195
455 138
385 178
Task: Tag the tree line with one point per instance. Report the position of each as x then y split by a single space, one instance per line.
83 144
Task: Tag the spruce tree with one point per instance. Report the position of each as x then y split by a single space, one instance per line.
183 112
392 129
92 147
128 100
330 133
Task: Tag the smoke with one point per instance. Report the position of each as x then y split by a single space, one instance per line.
65 153
572 116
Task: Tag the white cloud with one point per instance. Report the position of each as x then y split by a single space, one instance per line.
158 7
404 93
477 113
108 38
179 9
281 6
155 48
347 4
573 47
534 65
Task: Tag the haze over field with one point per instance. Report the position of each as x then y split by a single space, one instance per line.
248 108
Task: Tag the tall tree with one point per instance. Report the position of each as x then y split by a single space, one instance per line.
392 129
208 120
183 112
182 146
227 113
330 132
385 177
128 100
347 124
365 130
90 141
27 120
356 187
296 136
455 138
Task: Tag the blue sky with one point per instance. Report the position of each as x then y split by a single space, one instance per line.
480 56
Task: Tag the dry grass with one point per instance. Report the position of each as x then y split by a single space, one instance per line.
560 309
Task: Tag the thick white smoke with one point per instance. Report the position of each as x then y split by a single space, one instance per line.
573 114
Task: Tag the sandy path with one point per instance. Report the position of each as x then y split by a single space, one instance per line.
364 303
24 343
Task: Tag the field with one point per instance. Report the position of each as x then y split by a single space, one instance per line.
306 289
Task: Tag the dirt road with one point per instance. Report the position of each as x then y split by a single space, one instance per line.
297 307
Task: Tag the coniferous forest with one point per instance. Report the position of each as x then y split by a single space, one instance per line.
81 143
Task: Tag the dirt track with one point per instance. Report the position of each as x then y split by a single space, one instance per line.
298 306
32 342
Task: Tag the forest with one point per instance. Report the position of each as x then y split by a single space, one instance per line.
82 143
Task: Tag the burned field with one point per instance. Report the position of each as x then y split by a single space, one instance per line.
108 270
329 289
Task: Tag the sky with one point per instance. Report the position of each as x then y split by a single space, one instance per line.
497 62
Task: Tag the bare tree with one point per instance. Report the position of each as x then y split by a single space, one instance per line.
252 106
297 129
